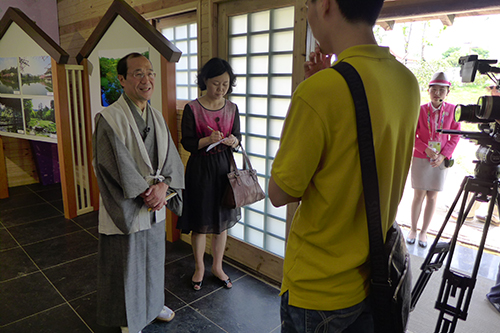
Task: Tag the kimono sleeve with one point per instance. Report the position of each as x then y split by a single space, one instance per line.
173 171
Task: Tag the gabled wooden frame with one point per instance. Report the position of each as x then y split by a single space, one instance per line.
58 55
120 8
169 54
31 29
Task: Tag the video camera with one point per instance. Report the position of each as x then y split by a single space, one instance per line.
487 108
456 288
484 113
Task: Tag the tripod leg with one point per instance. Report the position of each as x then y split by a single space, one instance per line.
463 211
437 252
458 285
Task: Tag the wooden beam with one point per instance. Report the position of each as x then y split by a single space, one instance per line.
64 139
223 30
167 11
255 258
169 111
213 35
394 10
387 25
300 53
447 20
4 183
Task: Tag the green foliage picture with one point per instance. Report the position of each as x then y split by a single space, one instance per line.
39 116
111 88
26 96
11 117
9 78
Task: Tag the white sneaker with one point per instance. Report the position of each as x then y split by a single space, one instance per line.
125 330
469 218
166 314
494 219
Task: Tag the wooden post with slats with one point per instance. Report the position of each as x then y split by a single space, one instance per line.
94 188
64 140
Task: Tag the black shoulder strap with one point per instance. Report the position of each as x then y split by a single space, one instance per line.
368 171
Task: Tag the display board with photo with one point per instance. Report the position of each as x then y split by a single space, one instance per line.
39 116
9 76
111 89
11 115
26 97
36 76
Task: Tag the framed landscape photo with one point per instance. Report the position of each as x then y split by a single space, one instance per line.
11 115
27 98
36 75
40 117
9 77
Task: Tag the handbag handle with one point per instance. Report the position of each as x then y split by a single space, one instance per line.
379 265
246 161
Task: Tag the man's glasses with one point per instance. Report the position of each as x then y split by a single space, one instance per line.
140 75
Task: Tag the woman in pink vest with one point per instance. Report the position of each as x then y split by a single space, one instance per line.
431 155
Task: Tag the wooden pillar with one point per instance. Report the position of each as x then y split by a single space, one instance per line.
64 139
4 183
169 111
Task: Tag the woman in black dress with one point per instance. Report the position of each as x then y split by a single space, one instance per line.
208 120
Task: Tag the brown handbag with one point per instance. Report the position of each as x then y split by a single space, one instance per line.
243 188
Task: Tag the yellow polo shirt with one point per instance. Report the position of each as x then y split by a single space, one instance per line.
326 264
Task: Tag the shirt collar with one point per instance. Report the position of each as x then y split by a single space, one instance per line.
369 50
436 109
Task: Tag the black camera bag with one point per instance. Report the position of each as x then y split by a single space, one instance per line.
390 262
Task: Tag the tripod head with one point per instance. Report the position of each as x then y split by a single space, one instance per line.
488 154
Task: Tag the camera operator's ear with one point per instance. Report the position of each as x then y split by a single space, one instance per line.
495 92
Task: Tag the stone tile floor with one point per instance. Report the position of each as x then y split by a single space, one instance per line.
48 275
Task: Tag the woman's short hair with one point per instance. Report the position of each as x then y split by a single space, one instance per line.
215 67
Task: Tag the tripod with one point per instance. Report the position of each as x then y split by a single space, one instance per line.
457 285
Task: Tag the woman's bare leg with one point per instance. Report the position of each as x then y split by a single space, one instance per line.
199 242
218 248
416 208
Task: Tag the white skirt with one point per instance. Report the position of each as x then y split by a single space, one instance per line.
425 177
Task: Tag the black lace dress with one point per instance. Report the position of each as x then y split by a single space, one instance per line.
206 172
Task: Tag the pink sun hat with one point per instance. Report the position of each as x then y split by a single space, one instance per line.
440 79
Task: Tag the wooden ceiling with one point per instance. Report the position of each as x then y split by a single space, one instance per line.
399 11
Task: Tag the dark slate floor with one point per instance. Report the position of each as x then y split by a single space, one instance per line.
48 276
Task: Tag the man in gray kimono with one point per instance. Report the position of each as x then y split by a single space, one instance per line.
137 167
